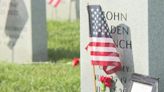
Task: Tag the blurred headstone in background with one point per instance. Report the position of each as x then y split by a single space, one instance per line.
23 37
65 10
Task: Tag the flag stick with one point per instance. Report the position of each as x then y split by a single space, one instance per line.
94 77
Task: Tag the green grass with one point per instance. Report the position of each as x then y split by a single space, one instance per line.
55 76
63 40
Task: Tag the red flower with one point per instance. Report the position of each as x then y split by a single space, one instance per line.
106 81
75 61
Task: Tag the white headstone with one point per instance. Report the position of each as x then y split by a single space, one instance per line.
23 36
136 27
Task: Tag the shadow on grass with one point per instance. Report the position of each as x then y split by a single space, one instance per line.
58 54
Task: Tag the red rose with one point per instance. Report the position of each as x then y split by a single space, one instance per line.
75 61
106 81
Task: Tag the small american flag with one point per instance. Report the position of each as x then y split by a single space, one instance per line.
55 3
102 47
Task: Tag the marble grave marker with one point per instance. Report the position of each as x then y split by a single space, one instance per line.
23 36
137 30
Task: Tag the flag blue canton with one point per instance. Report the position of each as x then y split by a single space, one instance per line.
98 24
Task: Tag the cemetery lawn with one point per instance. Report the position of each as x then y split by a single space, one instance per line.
57 74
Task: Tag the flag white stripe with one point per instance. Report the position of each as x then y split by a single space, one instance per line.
96 39
102 49
105 58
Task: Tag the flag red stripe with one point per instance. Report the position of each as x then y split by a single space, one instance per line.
106 63
113 70
57 3
93 53
102 44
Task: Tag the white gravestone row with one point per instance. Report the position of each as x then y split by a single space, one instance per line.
23 36
137 33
